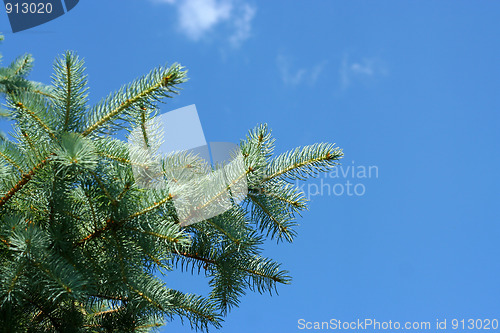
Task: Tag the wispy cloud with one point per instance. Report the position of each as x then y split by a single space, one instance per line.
362 70
242 25
294 76
199 16
196 18
365 69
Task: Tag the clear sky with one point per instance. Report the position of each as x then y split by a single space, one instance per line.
409 88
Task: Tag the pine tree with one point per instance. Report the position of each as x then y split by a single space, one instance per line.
13 77
82 246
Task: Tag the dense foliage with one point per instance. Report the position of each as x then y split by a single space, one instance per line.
82 246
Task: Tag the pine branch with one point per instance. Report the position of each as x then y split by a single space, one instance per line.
264 274
106 312
120 258
53 320
97 233
112 149
150 208
84 239
199 311
10 278
24 110
5 146
22 65
270 214
288 194
301 163
70 87
68 96
174 237
197 257
130 100
110 223
24 180
258 144
98 180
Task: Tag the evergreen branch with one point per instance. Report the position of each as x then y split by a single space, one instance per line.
157 261
68 97
22 65
145 91
219 195
264 274
120 259
259 143
281 223
153 291
145 297
73 150
150 208
155 234
90 241
35 117
286 193
281 228
24 180
113 201
150 326
38 317
198 310
92 210
28 140
196 257
5 242
112 149
43 93
11 162
106 312
301 163
115 158
18 273
126 188
111 298
56 278
277 277
227 285
143 127
70 89
109 224
228 235
54 322
116 224
70 214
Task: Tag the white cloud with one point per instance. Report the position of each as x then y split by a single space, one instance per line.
242 25
366 68
196 18
351 71
316 71
295 76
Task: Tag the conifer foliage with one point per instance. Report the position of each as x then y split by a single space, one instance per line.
82 246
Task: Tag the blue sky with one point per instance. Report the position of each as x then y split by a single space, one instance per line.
408 87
